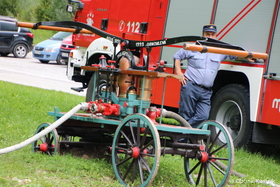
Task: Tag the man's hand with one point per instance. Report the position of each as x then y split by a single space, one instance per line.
178 71
183 80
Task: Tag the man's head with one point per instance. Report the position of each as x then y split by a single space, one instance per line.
209 31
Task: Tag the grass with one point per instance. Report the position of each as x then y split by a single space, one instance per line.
23 108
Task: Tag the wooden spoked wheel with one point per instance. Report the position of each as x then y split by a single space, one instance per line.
214 164
48 144
136 151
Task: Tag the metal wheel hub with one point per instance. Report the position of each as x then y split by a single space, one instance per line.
43 147
135 152
203 158
234 123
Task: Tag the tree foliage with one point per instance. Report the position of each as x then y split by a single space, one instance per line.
36 10
8 7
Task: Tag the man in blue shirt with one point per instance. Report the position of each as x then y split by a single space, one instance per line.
197 80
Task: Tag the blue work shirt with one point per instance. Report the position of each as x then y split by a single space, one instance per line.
202 67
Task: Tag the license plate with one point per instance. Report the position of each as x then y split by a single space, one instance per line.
64 54
37 52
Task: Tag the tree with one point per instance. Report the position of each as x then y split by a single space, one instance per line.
8 7
52 10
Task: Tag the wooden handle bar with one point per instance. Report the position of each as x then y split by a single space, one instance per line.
224 51
31 25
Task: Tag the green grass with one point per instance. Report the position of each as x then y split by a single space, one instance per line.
23 109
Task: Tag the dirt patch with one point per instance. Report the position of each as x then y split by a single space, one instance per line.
88 152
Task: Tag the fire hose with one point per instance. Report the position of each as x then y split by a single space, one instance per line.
81 106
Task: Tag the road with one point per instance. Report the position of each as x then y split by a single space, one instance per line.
29 71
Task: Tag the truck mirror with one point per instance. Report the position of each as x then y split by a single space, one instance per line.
69 8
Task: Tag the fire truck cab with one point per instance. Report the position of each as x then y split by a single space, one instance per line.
246 95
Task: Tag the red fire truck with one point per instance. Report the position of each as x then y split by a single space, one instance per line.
246 95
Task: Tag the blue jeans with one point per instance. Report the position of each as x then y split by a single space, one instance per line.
194 103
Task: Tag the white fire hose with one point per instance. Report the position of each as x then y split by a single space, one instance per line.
81 106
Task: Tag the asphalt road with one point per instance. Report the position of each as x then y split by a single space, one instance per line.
29 71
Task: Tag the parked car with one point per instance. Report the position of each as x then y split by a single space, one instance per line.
65 48
13 39
48 50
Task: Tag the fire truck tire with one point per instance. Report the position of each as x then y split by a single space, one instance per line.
103 79
230 106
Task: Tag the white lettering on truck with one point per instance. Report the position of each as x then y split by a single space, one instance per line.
275 104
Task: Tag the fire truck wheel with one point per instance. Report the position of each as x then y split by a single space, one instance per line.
102 80
230 106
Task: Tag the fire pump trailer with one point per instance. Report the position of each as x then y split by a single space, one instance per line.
124 121
245 94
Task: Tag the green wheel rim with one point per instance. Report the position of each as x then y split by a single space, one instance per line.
217 168
136 151
48 144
